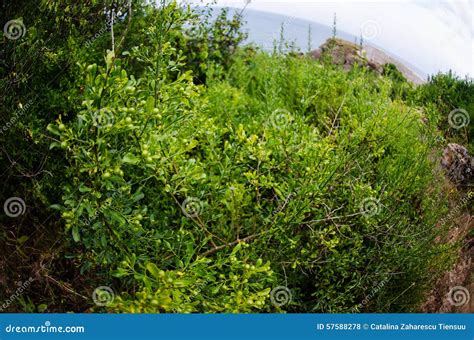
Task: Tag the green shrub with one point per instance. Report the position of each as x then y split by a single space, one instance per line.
453 97
317 143
282 153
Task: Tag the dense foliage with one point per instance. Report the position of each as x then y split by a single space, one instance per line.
194 175
453 97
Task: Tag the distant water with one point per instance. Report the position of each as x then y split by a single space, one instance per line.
263 29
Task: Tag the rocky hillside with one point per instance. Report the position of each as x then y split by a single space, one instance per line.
348 54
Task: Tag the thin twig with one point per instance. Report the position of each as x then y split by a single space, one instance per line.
65 287
337 114
216 249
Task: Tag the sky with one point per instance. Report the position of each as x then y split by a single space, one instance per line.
432 35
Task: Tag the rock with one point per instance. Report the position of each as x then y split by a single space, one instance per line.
316 54
346 54
458 165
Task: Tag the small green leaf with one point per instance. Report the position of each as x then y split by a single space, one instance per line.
115 216
54 145
181 283
75 233
109 58
130 159
137 196
53 129
23 239
103 241
42 308
83 188
153 269
119 272
216 290
150 104
236 249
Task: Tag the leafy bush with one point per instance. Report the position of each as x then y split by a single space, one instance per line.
313 146
130 170
283 154
453 97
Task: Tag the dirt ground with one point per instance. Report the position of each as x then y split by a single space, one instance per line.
460 278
